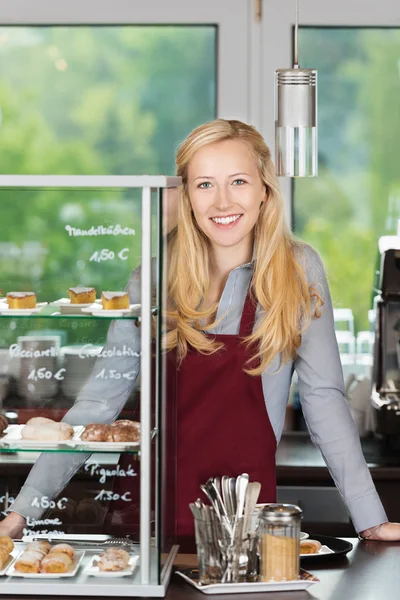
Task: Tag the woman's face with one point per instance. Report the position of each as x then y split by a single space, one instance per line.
226 191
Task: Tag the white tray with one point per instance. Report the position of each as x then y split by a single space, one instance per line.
74 568
95 571
8 564
13 437
246 588
98 310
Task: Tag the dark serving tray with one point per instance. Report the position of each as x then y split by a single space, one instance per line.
339 547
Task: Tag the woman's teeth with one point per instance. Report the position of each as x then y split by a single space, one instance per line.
225 220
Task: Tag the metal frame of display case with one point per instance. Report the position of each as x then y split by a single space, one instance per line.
141 584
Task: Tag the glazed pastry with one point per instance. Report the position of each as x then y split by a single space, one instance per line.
7 542
310 546
115 300
82 295
21 299
95 432
28 562
43 547
43 429
63 549
3 423
56 562
120 431
125 431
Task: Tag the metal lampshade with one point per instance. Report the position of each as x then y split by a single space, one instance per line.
296 151
296 147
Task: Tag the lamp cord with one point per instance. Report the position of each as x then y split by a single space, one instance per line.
296 35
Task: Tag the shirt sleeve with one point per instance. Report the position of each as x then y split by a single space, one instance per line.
100 401
325 409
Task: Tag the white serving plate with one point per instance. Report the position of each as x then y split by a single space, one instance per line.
66 302
8 564
74 568
246 588
303 535
94 571
5 310
322 550
13 437
76 442
98 310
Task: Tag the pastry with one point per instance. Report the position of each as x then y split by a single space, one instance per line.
113 559
3 423
4 554
120 431
124 433
82 295
55 562
6 541
115 300
63 549
95 432
42 429
43 547
310 546
28 562
4 560
21 299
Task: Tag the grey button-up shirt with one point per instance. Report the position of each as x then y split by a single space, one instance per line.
321 390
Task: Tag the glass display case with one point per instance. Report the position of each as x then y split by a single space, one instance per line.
106 477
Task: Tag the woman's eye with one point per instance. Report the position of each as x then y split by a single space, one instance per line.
239 182
205 185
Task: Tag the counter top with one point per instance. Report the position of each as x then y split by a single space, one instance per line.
368 572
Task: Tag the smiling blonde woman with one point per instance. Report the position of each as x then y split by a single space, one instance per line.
248 305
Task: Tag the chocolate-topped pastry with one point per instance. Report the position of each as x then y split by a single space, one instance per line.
3 423
95 432
125 431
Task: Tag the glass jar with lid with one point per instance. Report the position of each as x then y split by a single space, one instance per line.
279 542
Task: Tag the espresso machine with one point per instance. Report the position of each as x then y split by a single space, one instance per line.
386 366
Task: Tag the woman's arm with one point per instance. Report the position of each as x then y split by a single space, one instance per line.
326 411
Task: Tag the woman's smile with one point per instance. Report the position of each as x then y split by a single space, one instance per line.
226 222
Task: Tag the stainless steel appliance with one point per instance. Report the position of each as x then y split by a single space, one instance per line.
386 367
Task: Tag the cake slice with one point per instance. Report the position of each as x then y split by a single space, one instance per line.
115 300
21 299
82 295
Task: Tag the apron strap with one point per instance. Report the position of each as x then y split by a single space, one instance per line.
248 315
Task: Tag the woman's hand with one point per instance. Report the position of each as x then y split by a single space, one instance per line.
13 525
386 532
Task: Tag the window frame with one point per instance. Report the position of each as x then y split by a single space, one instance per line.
234 52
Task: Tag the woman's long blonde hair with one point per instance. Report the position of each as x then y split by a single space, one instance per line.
279 281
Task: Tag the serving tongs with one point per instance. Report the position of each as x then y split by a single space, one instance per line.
112 542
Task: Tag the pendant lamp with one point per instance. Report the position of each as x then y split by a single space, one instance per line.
296 143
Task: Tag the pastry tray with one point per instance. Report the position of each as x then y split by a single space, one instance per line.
94 571
13 555
305 581
13 439
74 568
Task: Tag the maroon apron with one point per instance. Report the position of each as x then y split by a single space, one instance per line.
222 425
